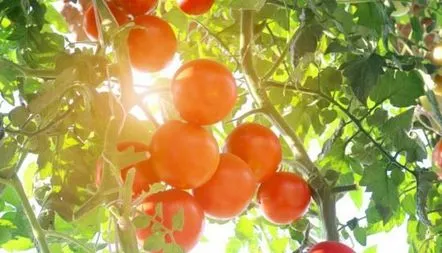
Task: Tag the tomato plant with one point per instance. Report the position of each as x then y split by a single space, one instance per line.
217 196
258 146
193 159
220 126
204 91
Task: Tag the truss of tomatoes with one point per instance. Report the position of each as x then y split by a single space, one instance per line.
184 155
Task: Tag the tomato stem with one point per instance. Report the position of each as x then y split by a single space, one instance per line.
322 191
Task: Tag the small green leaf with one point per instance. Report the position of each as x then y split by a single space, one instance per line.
360 235
172 248
142 221
178 220
18 116
18 244
234 245
363 74
244 229
155 242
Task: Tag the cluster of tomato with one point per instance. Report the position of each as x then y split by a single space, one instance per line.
185 156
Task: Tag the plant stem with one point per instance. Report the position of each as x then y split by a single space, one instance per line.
322 190
38 232
69 239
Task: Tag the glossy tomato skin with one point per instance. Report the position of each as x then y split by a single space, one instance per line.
195 7
90 26
138 7
437 154
258 146
228 193
284 198
184 155
330 247
203 91
153 48
172 202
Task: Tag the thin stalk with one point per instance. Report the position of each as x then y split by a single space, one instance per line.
38 232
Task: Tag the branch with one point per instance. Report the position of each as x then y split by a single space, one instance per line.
218 39
321 189
69 239
36 229
355 120
345 188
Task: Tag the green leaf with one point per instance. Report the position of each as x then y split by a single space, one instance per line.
372 249
360 235
248 4
363 74
178 220
244 229
18 116
369 15
56 19
9 155
401 88
18 244
142 221
234 245
155 242
279 245
172 248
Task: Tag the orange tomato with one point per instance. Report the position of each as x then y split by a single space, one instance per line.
228 193
330 247
437 155
258 146
203 91
138 7
90 26
195 7
184 155
284 198
152 48
172 201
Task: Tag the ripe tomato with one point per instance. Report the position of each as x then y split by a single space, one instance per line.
172 202
151 49
437 155
228 193
138 7
203 91
195 7
90 26
144 173
184 155
437 84
284 197
258 146
330 247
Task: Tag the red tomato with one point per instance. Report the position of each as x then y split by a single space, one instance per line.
204 91
152 48
330 247
184 155
90 26
144 173
195 7
284 198
172 202
138 7
437 155
228 193
258 146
